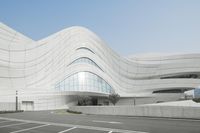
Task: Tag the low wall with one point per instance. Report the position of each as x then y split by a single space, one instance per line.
9 106
150 111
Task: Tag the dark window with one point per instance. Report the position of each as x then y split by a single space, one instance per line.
84 48
169 91
194 76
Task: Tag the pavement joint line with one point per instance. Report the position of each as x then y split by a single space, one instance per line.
111 122
167 118
77 126
67 130
26 129
13 124
5 121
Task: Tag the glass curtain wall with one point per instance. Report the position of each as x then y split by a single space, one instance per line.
85 82
85 60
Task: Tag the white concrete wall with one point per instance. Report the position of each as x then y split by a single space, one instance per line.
40 102
150 111
9 106
147 100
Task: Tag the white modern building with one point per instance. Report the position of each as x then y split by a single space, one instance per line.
52 72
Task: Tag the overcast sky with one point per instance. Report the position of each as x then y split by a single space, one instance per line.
127 26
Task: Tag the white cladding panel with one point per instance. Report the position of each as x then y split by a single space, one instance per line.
27 65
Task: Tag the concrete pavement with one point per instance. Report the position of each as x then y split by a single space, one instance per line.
55 122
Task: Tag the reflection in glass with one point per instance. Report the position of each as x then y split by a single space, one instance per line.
84 81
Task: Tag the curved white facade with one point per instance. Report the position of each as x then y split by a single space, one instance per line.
75 61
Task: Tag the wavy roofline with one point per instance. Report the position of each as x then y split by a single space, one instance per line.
137 56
